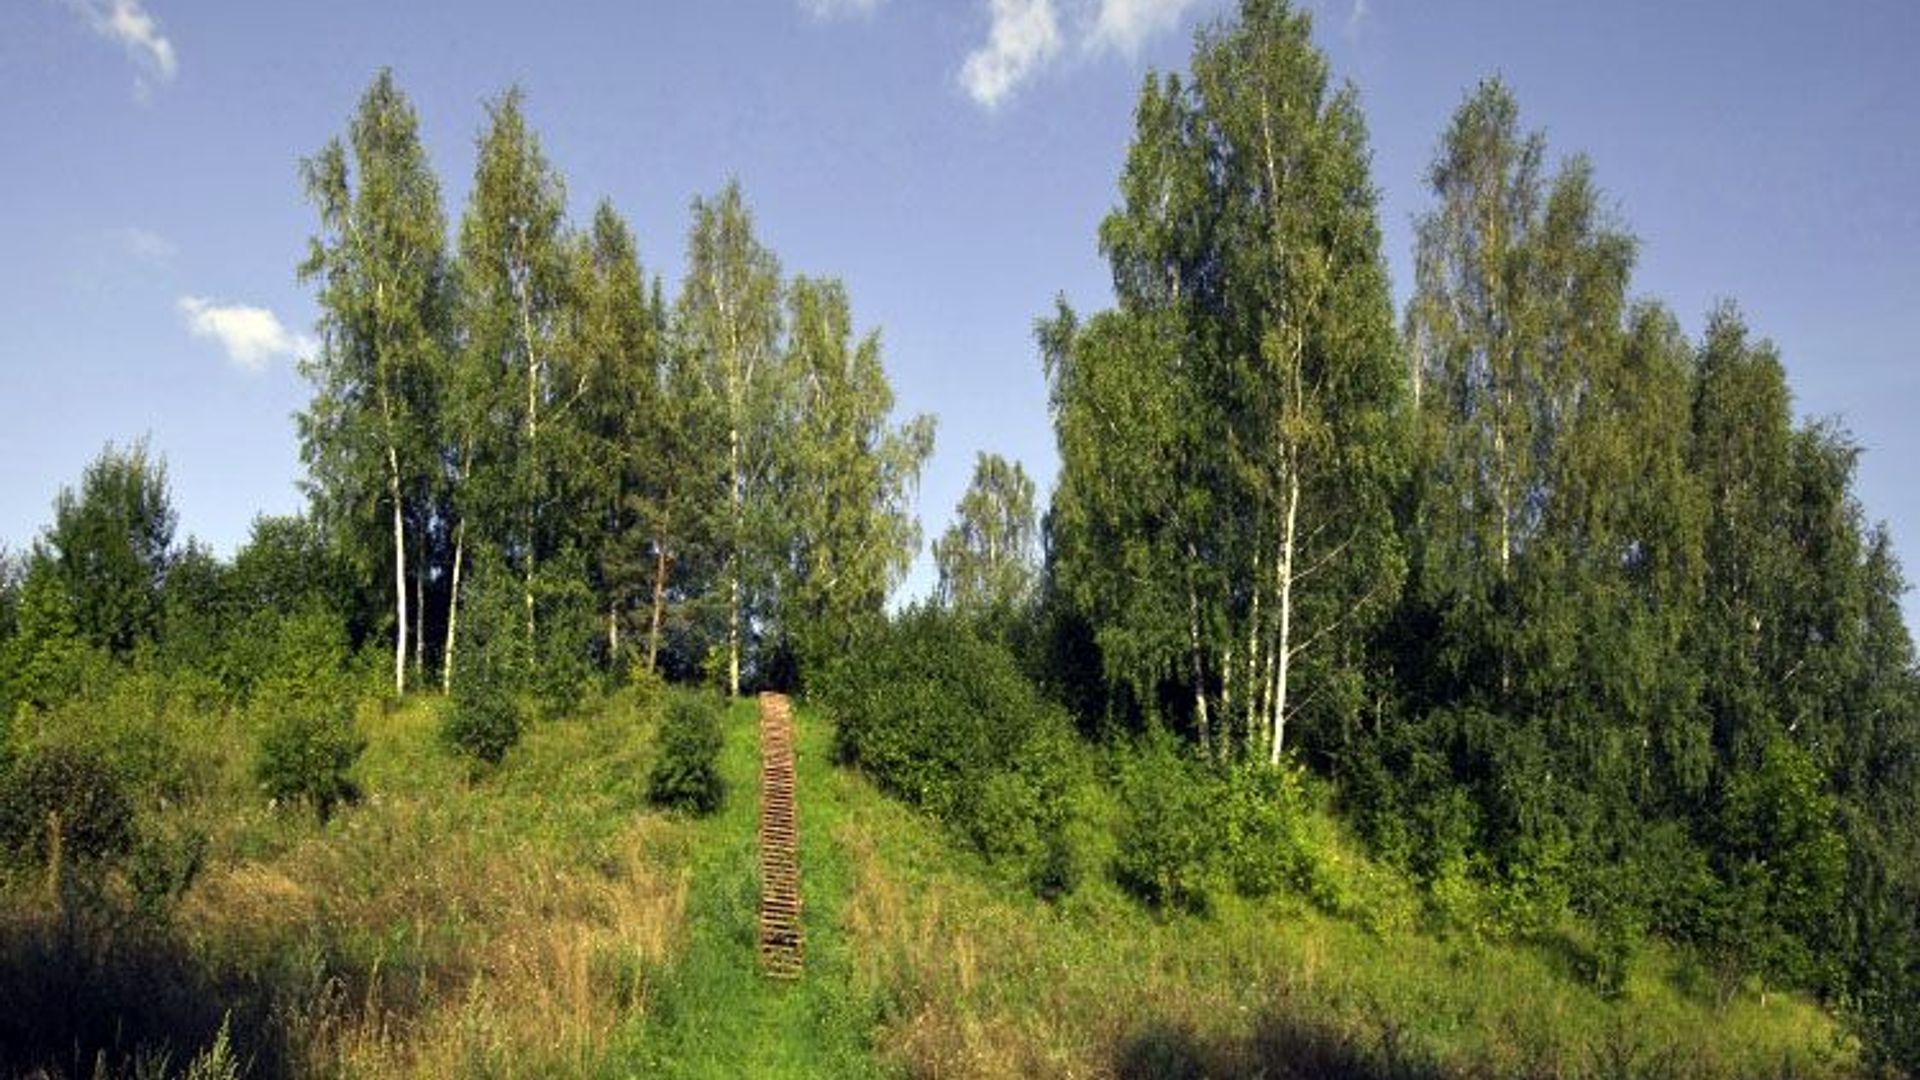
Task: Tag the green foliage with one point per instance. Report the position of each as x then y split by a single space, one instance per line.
846 478
1168 844
686 773
1265 817
1782 866
305 712
943 717
1229 437
986 558
111 543
729 322
68 790
379 260
47 660
484 719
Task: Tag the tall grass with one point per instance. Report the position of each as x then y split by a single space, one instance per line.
980 980
436 928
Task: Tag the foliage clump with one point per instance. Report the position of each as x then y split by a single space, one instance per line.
484 720
68 791
686 775
308 741
942 716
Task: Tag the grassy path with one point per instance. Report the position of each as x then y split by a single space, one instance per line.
714 1014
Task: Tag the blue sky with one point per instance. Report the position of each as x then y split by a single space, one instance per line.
950 159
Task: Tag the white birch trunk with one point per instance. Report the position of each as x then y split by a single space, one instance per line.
399 573
733 574
1283 655
1199 673
453 608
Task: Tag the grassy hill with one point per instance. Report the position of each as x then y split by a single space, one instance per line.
544 920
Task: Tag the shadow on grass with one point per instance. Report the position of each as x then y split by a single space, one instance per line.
1280 1047
87 992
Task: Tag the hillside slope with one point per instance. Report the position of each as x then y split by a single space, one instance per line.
544 920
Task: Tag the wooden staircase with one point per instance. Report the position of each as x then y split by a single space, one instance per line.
782 955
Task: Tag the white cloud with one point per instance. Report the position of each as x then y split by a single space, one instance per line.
147 246
1025 35
1358 18
1125 25
251 336
138 32
835 9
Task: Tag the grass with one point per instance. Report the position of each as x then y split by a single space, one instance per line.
543 920
439 927
717 1015
980 979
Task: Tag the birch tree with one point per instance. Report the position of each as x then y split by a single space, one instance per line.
730 321
1261 399
846 477
986 558
381 267
619 456
514 301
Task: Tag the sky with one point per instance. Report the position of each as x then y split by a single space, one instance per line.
950 160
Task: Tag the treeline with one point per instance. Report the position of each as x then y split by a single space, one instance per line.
1564 603
712 484
527 469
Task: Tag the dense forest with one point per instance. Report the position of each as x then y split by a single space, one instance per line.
1562 615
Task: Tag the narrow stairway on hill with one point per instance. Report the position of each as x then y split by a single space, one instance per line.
781 949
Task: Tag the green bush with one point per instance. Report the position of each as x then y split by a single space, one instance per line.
304 709
483 721
1168 834
69 786
491 669
306 749
1265 844
686 774
942 716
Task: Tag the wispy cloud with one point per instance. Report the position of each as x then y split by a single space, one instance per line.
837 9
251 336
1357 19
129 23
146 245
1125 25
1024 36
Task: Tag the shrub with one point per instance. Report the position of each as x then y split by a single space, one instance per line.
1266 845
306 750
76 788
305 711
483 722
686 775
1167 835
941 716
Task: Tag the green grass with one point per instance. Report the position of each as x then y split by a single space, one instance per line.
544 920
716 1015
978 978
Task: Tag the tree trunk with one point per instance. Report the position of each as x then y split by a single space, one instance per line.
1283 655
1256 680
660 562
420 616
399 574
733 562
533 455
453 608
1199 675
